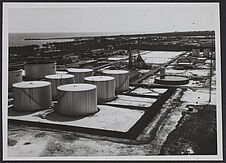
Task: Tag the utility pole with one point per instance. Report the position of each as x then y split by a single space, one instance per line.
130 58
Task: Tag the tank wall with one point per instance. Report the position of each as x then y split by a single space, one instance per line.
105 89
39 71
32 99
121 81
77 103
58 82
79 76
14 77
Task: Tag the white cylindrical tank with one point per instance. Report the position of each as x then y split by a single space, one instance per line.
15 76
58 80
61 72
32 95
105 86
77 99
121 78
80 74
39 70
196 52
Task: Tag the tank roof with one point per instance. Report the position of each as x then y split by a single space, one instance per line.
115 72
76 87
59 76
31 84
41 62
79 70
172 80
99 78
61 72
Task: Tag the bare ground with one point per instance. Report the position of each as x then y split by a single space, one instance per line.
194 134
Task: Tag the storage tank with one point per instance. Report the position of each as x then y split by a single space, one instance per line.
195 52
105 86
58 80
32 95
61 72
121 78
77 99
15 76
171 80
80 74
38 70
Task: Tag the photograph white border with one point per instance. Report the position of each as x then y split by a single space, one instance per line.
219 108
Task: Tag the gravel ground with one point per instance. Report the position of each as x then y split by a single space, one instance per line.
194 134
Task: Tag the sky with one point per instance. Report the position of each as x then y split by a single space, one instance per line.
149 17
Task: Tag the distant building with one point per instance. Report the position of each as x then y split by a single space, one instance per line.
101 52
110 47
51 51
13 55
110 38
68 58
74 58
120 51
64 57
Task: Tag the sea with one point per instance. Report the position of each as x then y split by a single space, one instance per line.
18 39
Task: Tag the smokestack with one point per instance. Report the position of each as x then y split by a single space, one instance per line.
162 73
